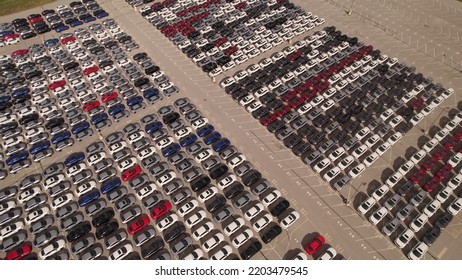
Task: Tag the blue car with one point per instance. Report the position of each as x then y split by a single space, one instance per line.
188 140
80 127
212 138
114 110
150 93
62 28
171 149
75 23
40 146
60 137
7 32
101 14
4 99
132 101
74 158
88 198
20 92
205 130
110 185
98 118
221 145
89 19
51 42
17 157
153 127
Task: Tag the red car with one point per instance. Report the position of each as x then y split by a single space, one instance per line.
267 120
67 40
314 245
231 50
444 171
18 53
448 147
161 210
289 96
19 253
91 105
131 173
35 20
426 167
137 225
284 110
295 55
57 84
220 42
90 70
10 36
294 104
457 137
417 104
432 185
109 96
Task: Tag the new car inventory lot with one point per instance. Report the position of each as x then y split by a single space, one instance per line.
144 152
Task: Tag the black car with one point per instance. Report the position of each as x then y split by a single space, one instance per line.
173 232
250 178
270 234
151 247
169 118
280 208
233 190
78 231
28 118
444 220
251 250
216 203
54 123
199 183
103 217
431 236
276 125
106 229
218 171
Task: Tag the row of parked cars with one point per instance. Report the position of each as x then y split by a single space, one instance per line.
88 193
420 180
218 35
333 101
31 73
59 20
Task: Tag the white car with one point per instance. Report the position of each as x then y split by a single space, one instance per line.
135 136
289 219
404 238
203 230
71 171
418 251
394 179
242 238
331 174
164 142
195 218
406 167
253 211
53 181
369 160
262 222
205 154
236 160
365 206
233 226
126 163
320 166
226 182
10 229
431 208
227 82
344 163
336 154
207 194
166 222
166 178
271 197
380 192
146 152
182 132
222 254
418 222
417 118
61 200
196 254
329 254
37 214
187 207
95 158
357 170
85 187
122 252
199 123
430 145
455 207
212 242
378 215
418 156
52 248
28 193
146 190
455 181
